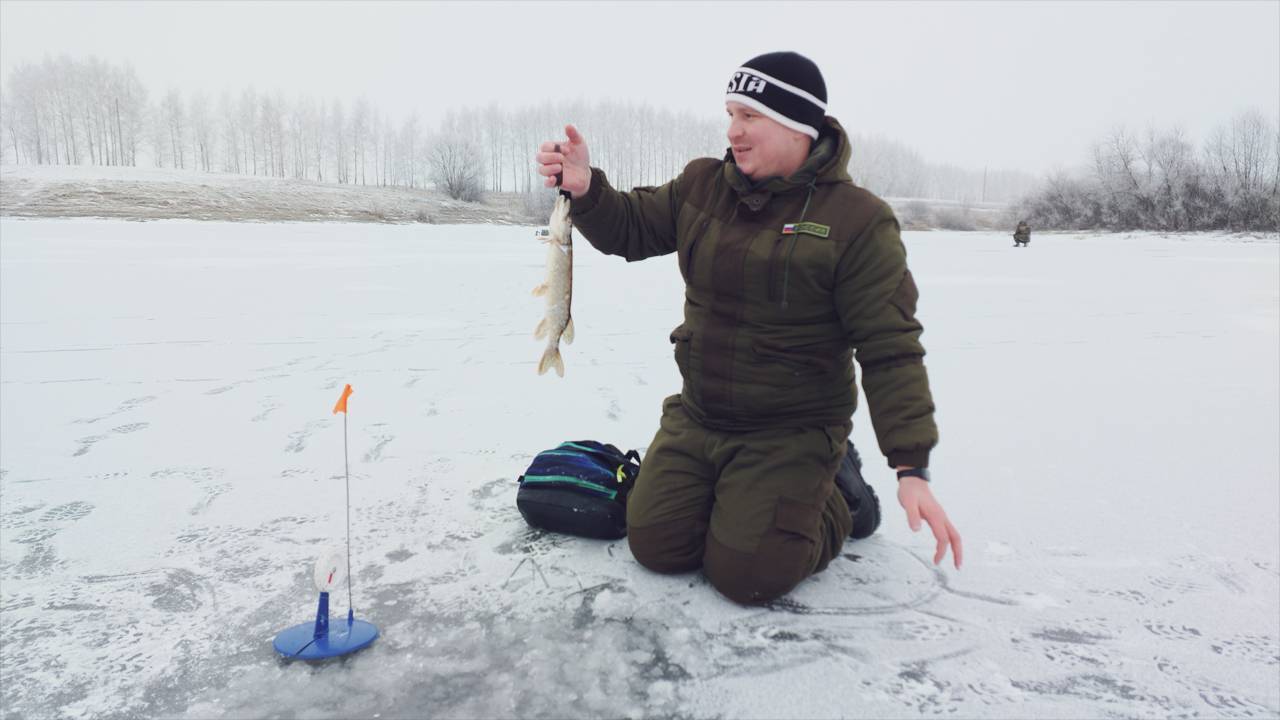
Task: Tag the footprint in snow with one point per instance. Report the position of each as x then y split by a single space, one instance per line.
87 443
70 512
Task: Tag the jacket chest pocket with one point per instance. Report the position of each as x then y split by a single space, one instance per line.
687 251
784 268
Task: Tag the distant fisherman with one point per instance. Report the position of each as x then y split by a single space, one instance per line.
789 268
1022 234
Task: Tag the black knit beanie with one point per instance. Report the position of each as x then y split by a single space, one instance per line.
784 86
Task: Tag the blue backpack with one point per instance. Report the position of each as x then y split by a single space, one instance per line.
579 488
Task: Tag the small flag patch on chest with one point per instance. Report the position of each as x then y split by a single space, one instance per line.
806 228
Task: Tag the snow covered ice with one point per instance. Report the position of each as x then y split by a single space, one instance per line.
1109 409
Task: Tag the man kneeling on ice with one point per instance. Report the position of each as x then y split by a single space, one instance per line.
789 268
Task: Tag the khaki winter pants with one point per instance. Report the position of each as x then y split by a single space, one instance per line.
758 511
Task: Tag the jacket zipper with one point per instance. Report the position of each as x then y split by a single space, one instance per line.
773 266
786 270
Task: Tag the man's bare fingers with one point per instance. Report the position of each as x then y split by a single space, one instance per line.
550 182
550 157
941 550
553 146
938 526
912 506
572 133
552 169
957 545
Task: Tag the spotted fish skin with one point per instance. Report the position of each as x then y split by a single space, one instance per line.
557 323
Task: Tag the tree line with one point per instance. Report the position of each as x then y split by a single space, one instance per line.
86 112
892 169
68 111
1159 180
73 113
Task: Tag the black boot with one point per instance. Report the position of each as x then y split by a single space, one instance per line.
863 504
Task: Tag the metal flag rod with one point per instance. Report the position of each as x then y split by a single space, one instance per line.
346 464
318 640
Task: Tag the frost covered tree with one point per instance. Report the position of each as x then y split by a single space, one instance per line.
246 124
359 129
408 147
65 111
1242 161
887 167
495 132
69 111
174 118
202 132
457 167
1159 182
338 126
229 130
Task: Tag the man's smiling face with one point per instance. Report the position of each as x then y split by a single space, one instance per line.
763 147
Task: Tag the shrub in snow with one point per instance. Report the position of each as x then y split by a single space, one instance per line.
457 168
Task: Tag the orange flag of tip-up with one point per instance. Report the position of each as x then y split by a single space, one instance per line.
341 407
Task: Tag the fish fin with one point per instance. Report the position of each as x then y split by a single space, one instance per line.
540 290
540 331
551 359
567 335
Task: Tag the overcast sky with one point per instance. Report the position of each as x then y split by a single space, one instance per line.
1025 85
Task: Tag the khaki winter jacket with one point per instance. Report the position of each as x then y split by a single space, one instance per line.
784 281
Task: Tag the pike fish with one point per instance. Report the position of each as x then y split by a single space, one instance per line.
557 323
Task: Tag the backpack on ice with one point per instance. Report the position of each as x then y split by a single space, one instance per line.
579 488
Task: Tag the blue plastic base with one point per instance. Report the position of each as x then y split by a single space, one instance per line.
299 642
321 640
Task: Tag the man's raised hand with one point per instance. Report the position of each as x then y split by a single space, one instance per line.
567 158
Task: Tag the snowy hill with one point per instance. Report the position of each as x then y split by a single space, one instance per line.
169 468
154 194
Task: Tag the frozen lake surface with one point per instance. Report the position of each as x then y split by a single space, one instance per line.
1109 409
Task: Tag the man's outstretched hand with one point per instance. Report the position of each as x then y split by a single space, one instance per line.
917 499
569 157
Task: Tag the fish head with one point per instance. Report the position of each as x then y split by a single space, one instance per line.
560 221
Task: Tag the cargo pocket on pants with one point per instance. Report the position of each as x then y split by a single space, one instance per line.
788 549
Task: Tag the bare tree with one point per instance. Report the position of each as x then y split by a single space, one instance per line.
494 132
359 131
407 149
1242 161
175 122
320 133
457 167
1158 182
201 131
339 128
887 167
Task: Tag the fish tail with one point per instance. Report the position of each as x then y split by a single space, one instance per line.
551 359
